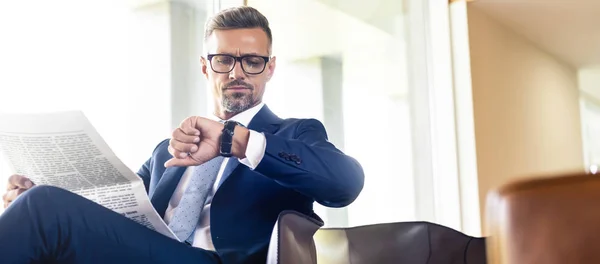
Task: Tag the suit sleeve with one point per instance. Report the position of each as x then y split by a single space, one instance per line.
311 165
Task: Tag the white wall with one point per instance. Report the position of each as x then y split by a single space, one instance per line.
526 107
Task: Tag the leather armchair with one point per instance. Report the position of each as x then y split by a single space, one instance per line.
398 243
546 220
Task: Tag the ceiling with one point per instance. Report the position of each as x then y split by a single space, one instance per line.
378 13
568 29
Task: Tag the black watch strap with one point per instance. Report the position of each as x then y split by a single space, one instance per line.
227 138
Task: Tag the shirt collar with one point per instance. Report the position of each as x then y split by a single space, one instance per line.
245 117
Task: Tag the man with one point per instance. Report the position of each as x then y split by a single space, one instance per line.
219 186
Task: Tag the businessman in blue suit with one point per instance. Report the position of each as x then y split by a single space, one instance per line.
219 182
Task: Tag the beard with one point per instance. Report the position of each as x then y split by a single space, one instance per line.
237 102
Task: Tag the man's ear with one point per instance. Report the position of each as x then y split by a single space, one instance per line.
271 67
204 66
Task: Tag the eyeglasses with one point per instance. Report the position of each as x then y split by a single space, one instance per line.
224 63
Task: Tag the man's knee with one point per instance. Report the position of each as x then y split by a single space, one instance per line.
43 194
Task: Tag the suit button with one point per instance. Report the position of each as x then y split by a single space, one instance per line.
296 159
283 155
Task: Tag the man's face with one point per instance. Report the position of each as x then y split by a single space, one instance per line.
237 90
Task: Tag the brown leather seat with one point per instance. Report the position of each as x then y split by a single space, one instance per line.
550 220
397 243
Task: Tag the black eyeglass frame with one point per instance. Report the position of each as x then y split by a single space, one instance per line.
238 59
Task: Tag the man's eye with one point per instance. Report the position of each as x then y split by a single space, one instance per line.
224 61
254 62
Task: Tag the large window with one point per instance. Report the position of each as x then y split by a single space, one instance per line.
346 64
590 119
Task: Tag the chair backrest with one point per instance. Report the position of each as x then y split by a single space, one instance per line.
550 220
398 243
292 239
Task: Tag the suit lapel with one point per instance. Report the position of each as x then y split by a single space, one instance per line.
264 121
165 188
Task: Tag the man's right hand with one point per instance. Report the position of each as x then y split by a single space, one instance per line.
17 184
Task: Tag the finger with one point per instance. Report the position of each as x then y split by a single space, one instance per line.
182 147
177 154
21 191
6 200
10 196
171 150
181 136
188 126
13 194
174 162
19 181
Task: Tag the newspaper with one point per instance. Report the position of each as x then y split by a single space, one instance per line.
64 150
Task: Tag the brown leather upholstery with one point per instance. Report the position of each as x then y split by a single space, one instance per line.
551 221
292 239
397 243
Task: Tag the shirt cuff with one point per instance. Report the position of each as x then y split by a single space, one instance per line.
255 150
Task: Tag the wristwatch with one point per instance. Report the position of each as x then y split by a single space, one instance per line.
227 138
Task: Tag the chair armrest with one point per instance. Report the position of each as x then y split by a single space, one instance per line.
292 239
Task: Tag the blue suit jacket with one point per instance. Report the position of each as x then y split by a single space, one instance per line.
299 167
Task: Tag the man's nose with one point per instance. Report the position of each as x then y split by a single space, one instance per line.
237 72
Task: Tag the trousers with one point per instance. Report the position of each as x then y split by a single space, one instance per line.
51 225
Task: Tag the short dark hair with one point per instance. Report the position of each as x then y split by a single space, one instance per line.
237 18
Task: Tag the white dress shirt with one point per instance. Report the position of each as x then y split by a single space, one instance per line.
255 151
